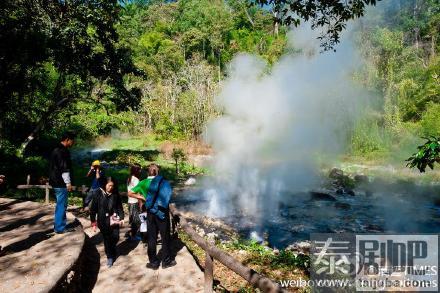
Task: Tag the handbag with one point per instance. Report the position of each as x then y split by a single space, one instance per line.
115 220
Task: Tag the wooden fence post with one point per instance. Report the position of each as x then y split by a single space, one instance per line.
28 182
209 272
47 192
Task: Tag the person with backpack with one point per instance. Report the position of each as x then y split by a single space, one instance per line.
156 192
107 213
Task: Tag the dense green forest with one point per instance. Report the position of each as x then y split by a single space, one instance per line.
400 42
156 66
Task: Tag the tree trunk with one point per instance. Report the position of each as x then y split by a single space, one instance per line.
416 29
219 65
40 125
276 23
247 14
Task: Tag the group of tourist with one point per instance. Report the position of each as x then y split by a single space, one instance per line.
148 204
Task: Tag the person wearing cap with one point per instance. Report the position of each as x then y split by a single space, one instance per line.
98 181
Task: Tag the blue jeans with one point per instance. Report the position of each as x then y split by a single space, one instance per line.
60 209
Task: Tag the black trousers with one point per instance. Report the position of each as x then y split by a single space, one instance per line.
111 238
155 225
133 217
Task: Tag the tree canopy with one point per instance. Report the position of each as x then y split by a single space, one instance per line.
53 53
332 16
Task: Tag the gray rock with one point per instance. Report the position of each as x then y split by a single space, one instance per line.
300 247
336 173
361 179
190 181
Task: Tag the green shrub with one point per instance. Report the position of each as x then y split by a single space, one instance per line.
288 259
36 165
369 138
430 122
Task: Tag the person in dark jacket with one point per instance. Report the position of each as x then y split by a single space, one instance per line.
60 179
158 193
107 213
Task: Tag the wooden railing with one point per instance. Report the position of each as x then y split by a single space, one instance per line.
83 189
212 252
47 187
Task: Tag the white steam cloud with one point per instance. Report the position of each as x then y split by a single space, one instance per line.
277 121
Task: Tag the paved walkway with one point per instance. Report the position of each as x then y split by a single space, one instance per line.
32 257
129 273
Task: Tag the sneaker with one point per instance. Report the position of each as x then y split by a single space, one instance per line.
110 262
168 264
67 230
153 265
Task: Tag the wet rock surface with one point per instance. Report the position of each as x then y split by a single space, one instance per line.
352 203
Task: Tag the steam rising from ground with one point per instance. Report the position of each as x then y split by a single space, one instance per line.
277 121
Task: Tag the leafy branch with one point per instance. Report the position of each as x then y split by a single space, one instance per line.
427 155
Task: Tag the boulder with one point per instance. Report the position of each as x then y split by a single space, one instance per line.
212 236
316 195
190 181
349 192
300 247
361 179
336 173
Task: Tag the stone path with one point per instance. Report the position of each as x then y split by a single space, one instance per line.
32 257
129 273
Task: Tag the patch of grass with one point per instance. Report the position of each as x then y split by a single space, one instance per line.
143 142
261 255
37 195
287 259
129 156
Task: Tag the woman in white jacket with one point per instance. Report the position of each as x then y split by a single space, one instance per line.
133 203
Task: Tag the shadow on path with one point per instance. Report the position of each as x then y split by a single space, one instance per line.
6 206
125 247
176 245
89 265
27 243
24 221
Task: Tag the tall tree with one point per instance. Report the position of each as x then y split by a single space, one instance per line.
53 52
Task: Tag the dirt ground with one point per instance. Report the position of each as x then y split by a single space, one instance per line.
34 259
129 273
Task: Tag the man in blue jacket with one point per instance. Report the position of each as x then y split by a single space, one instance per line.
60 179
158 193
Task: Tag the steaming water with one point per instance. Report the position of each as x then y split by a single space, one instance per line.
276 121
299 214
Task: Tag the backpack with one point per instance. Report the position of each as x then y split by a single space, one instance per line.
158 197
